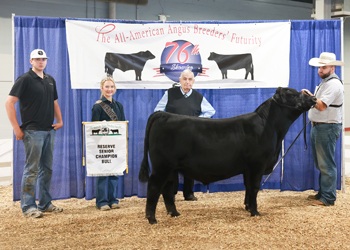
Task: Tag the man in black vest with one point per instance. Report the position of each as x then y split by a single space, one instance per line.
185 101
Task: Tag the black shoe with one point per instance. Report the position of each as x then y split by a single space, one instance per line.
191 197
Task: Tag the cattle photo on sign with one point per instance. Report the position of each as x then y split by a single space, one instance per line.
234 62
209 150
126 62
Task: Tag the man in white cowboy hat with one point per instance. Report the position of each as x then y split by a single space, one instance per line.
37 95
326 121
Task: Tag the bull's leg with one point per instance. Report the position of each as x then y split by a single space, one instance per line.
153 192
157 183
138 75
224 74
246 73
249 70
109 71
254 186
168 195
246 198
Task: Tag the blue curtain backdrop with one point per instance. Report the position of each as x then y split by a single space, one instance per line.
308 39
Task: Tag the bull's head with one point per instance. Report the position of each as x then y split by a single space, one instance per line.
148 54
293 99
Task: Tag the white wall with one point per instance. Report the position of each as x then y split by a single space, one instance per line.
346 79
6 73
6 162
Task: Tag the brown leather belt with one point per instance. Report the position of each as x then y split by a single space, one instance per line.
313 124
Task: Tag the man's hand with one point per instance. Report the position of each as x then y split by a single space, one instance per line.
18 133
57 125
11 113
306 92
58 116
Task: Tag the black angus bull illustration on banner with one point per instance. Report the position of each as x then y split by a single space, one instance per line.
234 62
126 62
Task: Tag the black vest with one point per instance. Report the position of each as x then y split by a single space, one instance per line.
178 104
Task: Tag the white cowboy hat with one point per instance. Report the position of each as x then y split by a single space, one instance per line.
325 59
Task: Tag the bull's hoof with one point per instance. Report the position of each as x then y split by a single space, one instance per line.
174 214
255 213
247 208
152 221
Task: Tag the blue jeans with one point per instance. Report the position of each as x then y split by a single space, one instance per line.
38 146
323 142
109 196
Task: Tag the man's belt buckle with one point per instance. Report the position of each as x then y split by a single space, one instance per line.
313 124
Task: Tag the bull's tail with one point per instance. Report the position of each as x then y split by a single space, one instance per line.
145 169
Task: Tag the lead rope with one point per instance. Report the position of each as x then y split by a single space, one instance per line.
304 121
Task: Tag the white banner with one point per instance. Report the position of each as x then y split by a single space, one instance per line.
152 55
106 148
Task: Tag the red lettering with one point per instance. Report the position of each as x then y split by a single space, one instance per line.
183 51
104 30
195 50
195 29
116 39
172 50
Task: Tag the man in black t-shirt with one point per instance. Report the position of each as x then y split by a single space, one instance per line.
184 100
37 95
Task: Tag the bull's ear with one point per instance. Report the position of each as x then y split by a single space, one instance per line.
278 91
278 94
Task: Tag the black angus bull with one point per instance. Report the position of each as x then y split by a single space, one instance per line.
126 62
235 62
210 150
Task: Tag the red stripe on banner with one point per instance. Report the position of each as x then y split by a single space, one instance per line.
347 129
157 71
204 72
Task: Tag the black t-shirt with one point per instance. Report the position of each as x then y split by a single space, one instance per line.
36 98
179 104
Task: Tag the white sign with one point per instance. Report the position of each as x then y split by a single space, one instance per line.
152 55
106 148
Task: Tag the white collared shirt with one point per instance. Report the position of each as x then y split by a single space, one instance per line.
207 110
329 92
